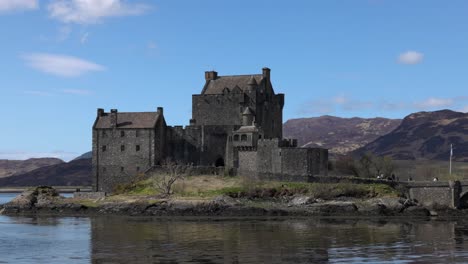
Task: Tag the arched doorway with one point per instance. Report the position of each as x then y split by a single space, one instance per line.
463 204
219 162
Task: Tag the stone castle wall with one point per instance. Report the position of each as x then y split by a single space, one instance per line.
271 161
121 156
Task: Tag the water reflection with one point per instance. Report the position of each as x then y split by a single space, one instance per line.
148 240
285 241
44 240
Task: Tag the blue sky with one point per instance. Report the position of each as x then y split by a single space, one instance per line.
62 59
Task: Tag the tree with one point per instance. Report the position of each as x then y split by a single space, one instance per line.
365 164
388 167
170 173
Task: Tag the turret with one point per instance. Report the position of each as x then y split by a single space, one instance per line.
247 117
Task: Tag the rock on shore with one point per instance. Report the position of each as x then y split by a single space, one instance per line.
46 200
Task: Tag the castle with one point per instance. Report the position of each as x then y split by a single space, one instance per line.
236 123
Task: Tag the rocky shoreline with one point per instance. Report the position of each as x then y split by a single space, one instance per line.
47 201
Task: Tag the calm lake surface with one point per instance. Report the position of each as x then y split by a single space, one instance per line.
115 239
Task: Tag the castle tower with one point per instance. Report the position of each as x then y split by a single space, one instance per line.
247 117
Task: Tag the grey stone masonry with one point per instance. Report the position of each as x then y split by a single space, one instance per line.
236 124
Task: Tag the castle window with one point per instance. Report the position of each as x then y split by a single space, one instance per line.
121 169
244 138
122 133
137 133
259 136
104 134
138 169
104 148
122 148
137 147
236 137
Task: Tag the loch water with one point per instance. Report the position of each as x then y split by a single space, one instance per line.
118 239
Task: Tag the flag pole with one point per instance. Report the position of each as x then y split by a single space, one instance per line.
451 154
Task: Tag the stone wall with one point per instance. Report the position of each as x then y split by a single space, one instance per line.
119 157
297 161
247 163
440 193
199 145
269 156
218 109
270 161
89 195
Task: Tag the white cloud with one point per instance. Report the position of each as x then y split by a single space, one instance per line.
77 91
410 57
37 93
61 65
92 11
340 99
11 5
23 155
84 38
343 103
435 103
64 33
464 109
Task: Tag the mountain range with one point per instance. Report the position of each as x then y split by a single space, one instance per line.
338 135
73 173
12 167
425 135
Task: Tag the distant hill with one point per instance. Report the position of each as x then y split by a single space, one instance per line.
425 135
339 135
87 155
73 173
12 167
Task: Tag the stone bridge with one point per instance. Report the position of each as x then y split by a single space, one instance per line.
449 193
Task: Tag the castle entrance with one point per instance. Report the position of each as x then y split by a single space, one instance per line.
219 162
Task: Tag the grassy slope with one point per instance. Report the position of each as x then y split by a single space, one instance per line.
206 187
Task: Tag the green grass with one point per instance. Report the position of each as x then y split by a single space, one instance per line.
88 203
202 187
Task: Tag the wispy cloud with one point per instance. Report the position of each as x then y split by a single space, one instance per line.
84 38
464 109
61 65
63 33
347 103
37 93
434 102
410 57
23 155
14 5
77 91
93 11
80 92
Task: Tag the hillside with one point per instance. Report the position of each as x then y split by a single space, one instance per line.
73 173
12 167
339 135
87 155
425 135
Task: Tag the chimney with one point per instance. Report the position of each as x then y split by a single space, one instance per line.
160 111
113 118
266 72
100 112
211 75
